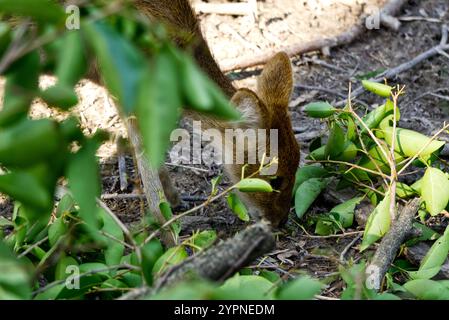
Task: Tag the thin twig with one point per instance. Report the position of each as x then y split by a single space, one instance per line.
352 165
122 227
34 245
349 246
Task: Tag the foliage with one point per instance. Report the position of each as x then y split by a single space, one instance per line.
80 250
371 155
74 244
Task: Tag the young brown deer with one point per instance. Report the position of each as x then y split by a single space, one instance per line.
267 108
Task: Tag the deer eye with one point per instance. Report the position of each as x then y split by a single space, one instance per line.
276 183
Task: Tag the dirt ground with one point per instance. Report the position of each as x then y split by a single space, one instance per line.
282 22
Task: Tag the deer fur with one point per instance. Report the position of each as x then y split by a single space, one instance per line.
267 108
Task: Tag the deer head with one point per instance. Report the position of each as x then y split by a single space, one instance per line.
267 108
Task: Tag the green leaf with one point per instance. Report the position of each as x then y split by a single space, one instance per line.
378 156
341 216
51 293
404 191
114 249
5 222
238 207
132 279
215 182
21 85
306 194
159 105
151 252
319 109
344 212
24 138
86 284
271 276
61 267
306 172
351 133
71 59
56 230
27 189
324 226
46 11
222 106
315 144
94 268
191 290
122 65
426 234
377 88
409 142
61 96
303 288
14 279
417 185
374 117
386 296
424 289
336 143
434 259
204 239
84 182
370 74
245 288
112 289
171 257
168 214
435 190
194 84
378 223
5 37
253 185
349 152
317 154
65 205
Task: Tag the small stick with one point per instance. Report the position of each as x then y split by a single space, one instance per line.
123 175
349 246
35 245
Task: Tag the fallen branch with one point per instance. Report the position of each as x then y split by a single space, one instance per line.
390 73
219 262
390 9
389 246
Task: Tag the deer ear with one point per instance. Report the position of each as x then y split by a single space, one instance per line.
254 112
275 84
